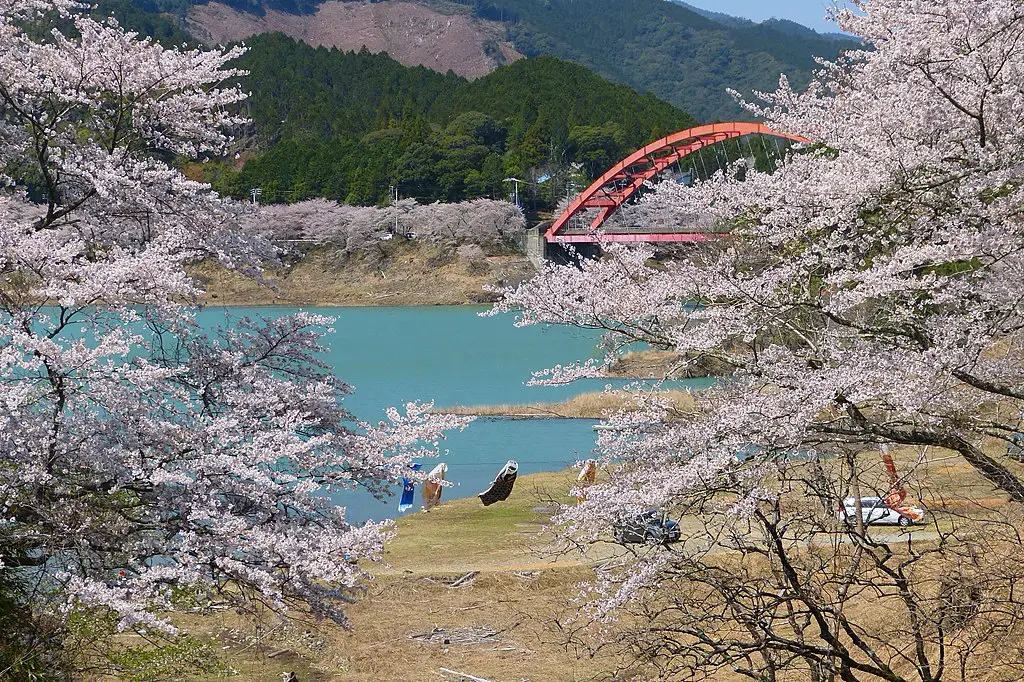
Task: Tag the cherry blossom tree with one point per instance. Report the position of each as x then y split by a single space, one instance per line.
869 293
358 228
142 455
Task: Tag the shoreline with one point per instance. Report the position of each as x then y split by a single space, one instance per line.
413 274
595 405
515 416
208 304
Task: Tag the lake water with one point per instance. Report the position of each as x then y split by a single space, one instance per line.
453 356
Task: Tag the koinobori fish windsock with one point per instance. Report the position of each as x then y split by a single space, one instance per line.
408 490
432 486
501 486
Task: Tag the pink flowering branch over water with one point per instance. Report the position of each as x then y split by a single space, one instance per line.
869 291
140 452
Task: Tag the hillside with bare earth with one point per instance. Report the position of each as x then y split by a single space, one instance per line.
439 38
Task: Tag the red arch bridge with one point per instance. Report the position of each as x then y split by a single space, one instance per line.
608 193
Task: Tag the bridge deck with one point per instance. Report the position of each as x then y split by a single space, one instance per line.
623 180
639 233
567 237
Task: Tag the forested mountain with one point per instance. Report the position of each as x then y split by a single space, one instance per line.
180 7
142 17
781 25
681 56
355 126
351 125
720 17
652 45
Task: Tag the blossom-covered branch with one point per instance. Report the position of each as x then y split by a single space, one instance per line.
139 451
868 292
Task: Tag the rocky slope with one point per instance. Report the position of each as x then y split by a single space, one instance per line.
439 37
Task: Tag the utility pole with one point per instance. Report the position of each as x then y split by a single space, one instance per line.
570 192
393 195
515 182
255 193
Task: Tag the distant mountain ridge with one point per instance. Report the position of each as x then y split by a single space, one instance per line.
670 50
679 54
726 19
781 25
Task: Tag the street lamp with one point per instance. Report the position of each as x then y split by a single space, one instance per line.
515 182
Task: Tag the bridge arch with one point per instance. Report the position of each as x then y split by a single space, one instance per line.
624 179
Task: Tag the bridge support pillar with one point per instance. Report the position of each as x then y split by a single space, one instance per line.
536 245
538 249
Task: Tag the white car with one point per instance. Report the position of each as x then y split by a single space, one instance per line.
875 510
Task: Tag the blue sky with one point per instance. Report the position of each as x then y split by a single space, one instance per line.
807 12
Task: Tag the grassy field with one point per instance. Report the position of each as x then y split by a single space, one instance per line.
510 607
517 593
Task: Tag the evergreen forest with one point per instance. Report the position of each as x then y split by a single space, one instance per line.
684 56
358 127
665 48
363 129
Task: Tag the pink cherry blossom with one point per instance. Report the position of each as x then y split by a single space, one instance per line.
140 452
869 291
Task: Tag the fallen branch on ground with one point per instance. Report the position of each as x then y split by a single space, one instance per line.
462 676
465 579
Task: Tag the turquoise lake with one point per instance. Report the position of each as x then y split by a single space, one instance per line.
453 356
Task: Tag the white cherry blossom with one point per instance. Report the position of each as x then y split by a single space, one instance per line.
869 291
140 452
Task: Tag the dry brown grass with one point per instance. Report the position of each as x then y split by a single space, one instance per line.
322 277
518 593
664 364
645 364
595 405
379 647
